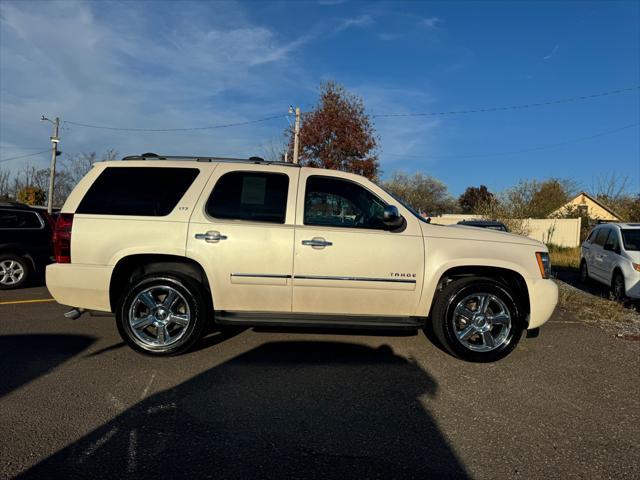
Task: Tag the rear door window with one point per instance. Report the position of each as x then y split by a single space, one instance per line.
251 196
145 191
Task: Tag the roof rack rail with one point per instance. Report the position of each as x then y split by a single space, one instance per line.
256 160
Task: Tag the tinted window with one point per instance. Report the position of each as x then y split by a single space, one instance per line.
631 239
601 236
340 203
18 219
258 197
147 191
612 239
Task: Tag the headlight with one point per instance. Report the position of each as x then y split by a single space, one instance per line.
544 264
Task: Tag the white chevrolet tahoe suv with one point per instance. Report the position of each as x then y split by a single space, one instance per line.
167 243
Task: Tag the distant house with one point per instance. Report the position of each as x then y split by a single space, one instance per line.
586 205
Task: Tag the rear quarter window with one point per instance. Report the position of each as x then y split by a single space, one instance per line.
16 219
144 191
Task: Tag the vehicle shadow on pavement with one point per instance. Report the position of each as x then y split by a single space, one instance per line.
24 358
282 410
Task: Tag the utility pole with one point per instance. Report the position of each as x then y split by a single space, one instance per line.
54 153
296 138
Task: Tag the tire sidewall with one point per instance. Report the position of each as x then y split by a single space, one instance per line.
193 296
25 267
584 272
618 295
500 291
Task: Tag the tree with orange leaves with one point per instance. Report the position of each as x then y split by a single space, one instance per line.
338 134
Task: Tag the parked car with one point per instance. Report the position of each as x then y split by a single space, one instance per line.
168 242
611 255
490 224
26 245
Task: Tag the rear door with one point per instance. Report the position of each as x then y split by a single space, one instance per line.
242 232
346 262
27 231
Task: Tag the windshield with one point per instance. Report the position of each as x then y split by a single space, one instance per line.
405 205
631 239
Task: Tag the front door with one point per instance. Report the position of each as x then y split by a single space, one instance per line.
242 232
610 254
596 253
346 261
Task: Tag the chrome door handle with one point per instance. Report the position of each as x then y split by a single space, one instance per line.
211 237
317 242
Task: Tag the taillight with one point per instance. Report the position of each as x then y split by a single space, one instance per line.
62 238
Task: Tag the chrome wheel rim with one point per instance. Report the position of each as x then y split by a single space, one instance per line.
482 322
159 316
11 272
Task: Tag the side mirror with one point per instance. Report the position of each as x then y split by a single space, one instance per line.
391 217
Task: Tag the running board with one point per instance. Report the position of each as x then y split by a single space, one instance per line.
262 319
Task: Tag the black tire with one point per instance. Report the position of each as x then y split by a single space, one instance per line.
9 276
191 301
584 272
618 289
445 320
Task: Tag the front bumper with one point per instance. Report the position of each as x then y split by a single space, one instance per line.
543 298
81 286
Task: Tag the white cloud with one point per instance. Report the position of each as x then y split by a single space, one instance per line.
117 64
551 54
388 36
431 22
360 21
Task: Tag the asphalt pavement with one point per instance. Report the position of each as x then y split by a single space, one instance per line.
76 403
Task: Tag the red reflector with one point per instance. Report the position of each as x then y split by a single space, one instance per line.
62 238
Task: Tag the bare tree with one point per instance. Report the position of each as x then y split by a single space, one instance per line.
5 177
423 192
609 187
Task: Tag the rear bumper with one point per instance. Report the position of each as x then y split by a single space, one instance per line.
81 286
543 298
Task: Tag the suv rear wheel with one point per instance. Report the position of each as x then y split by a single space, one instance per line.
162 314
477 319
14 271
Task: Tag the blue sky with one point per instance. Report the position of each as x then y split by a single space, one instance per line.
160 64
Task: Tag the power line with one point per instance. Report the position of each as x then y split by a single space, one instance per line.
24 156
509 107
377 115
210 127
514 152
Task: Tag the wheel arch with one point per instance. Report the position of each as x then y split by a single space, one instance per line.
514 281
128 268
10 249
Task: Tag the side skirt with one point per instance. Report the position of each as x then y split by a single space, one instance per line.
269 319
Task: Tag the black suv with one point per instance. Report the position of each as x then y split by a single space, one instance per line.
26 243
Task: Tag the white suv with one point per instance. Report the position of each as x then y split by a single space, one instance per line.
166 243
611 255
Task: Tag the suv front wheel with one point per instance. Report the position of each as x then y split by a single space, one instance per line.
162 314
477 319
